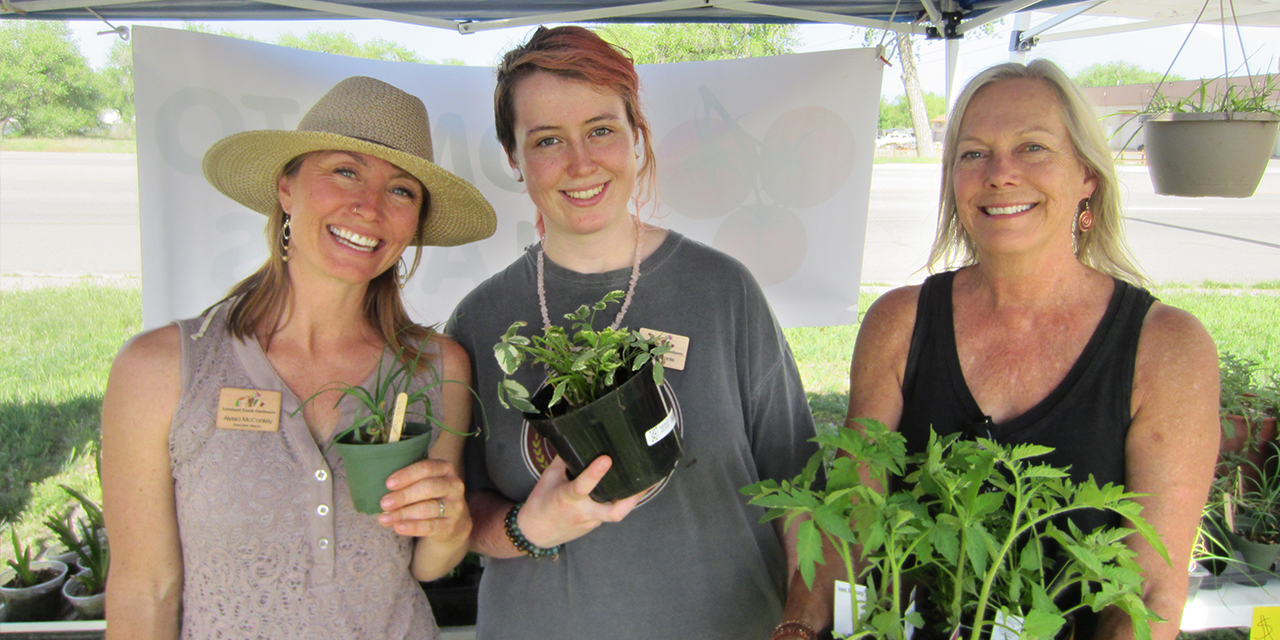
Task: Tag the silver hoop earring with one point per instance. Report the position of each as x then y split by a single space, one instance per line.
285 234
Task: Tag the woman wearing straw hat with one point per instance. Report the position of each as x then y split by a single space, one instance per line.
234 533
693 559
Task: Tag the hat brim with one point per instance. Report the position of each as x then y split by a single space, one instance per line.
246 168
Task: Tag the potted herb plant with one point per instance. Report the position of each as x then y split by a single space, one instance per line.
1246 408
68 543
31 589
602 397
1253 516
87 590
971 527
1212 145
393 430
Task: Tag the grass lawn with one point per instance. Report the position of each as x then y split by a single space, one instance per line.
88 144
56 347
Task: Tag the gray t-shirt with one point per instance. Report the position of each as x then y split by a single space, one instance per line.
694 560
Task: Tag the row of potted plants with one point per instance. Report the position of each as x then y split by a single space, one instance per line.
1250 403
71 580
1240 530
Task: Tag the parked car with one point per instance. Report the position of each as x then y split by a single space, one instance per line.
896 140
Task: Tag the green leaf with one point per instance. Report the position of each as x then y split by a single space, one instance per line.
1041 624
809 549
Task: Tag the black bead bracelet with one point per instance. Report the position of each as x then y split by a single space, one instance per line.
522 543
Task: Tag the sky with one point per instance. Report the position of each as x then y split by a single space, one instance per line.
1152 49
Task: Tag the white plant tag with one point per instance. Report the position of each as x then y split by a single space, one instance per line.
844 607
911 608
1009 628
660 431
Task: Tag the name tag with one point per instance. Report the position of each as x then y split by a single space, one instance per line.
248 410
673 359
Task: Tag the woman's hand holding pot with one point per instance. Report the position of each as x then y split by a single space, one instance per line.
426 501
559 509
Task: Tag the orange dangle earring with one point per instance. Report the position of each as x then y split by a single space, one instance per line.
1085 221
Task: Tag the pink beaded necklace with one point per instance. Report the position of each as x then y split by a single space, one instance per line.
626 302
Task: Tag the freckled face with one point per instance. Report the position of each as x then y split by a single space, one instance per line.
352 215
1017 178
576 150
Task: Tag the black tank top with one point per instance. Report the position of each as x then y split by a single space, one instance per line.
1085 419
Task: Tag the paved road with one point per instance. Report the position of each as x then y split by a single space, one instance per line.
67 214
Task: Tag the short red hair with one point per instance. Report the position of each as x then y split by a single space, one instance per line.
576 53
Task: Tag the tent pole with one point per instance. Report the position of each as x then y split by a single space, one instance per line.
953 53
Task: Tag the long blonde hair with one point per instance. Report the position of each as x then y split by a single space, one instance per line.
259 302
1102 248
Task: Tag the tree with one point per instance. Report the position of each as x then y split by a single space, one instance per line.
651 44
344 44
1110 74
336 42
915 98
46 85
115 81
897 114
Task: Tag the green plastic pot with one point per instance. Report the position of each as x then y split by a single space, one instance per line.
39 603
1257 555
631 424
369 465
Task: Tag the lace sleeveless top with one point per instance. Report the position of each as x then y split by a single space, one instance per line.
271 544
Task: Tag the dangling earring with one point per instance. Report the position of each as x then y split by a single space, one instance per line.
1085 221
402 273
519 176
285 234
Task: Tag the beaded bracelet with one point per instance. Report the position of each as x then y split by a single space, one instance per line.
522 543
795 628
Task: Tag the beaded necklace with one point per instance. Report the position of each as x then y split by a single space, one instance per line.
626 302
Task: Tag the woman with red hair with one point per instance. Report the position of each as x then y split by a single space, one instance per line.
688 558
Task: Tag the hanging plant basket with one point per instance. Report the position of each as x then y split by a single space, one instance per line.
1209 154
631 424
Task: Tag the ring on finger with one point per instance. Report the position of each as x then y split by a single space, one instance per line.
441 501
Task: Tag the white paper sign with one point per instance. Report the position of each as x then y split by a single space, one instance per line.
768 159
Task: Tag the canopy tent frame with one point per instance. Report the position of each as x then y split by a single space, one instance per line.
949 20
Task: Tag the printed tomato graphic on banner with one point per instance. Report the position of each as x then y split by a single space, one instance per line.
769 239
708 164
806 157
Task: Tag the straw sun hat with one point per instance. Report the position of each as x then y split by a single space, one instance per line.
364 115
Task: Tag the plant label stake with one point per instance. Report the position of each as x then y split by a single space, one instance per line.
397 419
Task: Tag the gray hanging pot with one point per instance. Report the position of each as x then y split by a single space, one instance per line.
1209 154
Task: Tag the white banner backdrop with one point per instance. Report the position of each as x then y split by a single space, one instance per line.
768 159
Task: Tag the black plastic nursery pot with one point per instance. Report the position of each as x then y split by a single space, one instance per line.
631 424
369 465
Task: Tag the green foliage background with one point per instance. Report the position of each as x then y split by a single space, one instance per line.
1110 74
46 86
897 114
657 43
